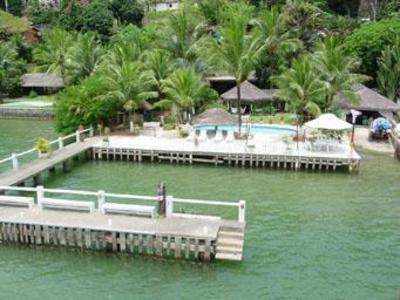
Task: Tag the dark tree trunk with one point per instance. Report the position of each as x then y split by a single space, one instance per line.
239 108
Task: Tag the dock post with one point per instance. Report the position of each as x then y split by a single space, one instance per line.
169 206
100 201
78 136
60 143
242 211
14 161
39 195
161 193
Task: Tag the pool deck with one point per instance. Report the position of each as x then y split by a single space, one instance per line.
262 149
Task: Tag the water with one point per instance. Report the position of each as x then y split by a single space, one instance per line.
310 235
265 129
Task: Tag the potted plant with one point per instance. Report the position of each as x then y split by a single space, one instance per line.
43 147
106 137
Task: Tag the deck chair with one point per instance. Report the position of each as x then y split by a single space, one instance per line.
230 137
218 136
203 136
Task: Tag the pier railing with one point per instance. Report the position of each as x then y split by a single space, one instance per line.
59 143
101 197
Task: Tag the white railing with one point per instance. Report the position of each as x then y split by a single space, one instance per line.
60 144
101 197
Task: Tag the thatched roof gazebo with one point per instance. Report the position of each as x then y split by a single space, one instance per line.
215 117
371 101
42 80
249 93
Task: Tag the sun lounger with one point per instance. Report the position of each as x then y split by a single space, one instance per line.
230 137
191 136
203 136
218 136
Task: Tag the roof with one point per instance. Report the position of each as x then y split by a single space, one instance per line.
249 93
215 117
370 101
328 122
43 80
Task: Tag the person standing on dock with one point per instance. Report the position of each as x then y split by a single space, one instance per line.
161 192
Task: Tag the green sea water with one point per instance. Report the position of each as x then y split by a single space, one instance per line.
309 235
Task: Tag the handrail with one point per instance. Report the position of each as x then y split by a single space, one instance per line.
101 198
206 202
60 141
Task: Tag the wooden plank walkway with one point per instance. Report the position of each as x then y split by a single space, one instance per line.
37 166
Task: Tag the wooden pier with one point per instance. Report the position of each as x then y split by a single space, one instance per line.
62 156
173 235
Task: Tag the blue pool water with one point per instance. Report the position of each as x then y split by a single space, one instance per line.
265 129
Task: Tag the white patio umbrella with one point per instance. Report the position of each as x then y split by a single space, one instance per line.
328 122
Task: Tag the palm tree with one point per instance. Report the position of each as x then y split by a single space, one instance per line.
128 84
389 70
237 50
84 57
301 88
337 70
303 18
51 55
278 43
184 29
158 61
183 90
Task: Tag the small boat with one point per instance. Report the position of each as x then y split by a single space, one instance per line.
380 129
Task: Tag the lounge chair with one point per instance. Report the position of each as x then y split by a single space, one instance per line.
203 136
218 136
230 137
191 136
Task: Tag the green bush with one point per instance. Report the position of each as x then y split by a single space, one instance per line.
169 126
128 11
80 105
98 17
42 145
369 40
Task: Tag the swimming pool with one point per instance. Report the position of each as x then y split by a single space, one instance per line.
27 105
264 129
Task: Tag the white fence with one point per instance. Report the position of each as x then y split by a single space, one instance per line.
102 197
13 158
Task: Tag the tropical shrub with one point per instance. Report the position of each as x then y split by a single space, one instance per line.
98 17
81 105
128 11
41 13
369 40
42 145
389 70
11 69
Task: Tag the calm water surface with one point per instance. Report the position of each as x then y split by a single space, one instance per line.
309 235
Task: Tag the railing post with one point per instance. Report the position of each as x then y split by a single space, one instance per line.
60 142
91 131
39 195
14 161
78 136
169 209
100 201
242 211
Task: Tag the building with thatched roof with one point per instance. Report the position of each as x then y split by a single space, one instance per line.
372 104
42 81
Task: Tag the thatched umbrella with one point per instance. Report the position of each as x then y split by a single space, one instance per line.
215 117
249 93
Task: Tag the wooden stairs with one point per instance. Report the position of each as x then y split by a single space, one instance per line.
230 242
